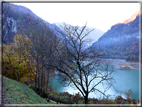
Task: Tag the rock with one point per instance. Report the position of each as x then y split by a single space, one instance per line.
126 67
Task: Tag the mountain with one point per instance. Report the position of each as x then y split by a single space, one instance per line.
16 17
122 40
94 35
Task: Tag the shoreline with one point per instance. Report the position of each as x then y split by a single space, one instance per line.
122 64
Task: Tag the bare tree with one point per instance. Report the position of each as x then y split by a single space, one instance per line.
39 34
71 57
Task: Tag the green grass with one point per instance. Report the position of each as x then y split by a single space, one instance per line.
18 93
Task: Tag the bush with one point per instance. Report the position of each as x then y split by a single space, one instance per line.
67 98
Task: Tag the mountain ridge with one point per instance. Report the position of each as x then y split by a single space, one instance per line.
132 18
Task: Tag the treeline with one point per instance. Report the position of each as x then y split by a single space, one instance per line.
126 48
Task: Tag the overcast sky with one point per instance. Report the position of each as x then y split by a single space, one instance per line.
97 15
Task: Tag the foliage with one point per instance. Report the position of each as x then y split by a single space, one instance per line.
16 64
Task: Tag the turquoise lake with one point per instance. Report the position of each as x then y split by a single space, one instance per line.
124 80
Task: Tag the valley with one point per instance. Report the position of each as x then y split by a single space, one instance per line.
34 50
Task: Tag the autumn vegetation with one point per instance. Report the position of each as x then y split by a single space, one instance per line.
16 63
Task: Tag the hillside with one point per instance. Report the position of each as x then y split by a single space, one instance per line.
18 93
122 40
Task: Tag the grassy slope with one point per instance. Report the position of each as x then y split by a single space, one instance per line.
19 93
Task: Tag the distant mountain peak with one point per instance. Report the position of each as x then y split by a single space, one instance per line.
132 18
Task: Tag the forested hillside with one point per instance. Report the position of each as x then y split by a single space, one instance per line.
121 41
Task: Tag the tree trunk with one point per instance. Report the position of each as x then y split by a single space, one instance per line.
36 82
39 82
86 99
18 79
42 76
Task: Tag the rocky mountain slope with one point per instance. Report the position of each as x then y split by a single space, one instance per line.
122 40
16 17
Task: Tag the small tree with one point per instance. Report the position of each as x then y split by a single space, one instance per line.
72 58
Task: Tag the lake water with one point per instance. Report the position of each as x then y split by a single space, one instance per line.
124 80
